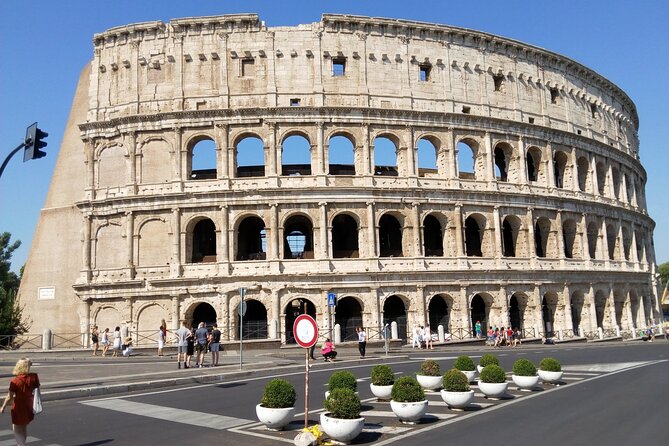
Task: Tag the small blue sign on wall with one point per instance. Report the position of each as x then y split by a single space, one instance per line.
332 299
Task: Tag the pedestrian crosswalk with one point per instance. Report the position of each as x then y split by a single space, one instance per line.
7 439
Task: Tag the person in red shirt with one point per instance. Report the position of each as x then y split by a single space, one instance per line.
20 394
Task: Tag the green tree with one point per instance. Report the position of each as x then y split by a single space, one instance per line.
11 313
664 273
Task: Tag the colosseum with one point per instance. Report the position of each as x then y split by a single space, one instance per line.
416 173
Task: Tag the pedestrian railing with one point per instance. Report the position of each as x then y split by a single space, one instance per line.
568 334
591 335
529 333
15 342
68 340
610 333
145 338
628 334
460 334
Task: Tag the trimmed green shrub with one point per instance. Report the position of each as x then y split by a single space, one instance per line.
493 374
524 367
550 365
382 375
455 381
464 363
488 359
407 390
342 380
278 394
343 403
430 368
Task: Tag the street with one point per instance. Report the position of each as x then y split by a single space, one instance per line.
611 394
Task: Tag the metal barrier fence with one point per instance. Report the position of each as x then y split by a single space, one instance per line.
15 342
610 333
568 334
68 340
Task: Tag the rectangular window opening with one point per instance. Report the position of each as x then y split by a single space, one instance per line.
295 102
531 120
555 95
466 109
339 66
248 67
425 70
593 110
498 79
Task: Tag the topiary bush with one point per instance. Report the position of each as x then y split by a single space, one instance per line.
278 394
464 363
382 375
430 367
550 365
493 374
342 380
407 390
488 359
455 381
524 367
343 403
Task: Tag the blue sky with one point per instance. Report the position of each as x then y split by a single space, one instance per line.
44 44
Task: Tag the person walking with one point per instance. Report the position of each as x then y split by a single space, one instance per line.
190 348
95 339
215 345
201 336
162 336
116 346
362 341
182 333
416 340
477 329
20 394
105 341
427 334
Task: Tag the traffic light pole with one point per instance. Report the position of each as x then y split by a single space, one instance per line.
4 164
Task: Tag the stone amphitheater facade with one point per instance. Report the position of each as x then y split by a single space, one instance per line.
510 190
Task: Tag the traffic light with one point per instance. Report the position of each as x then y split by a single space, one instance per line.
34 142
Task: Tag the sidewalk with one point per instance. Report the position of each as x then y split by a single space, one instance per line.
76 373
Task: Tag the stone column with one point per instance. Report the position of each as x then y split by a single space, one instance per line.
132 160
225 240
415 221
222 167
584 237
225 316
497 245
420 305
560 235
593 309
86 254
321 156
612 307
522 168
376 313
130 241
175 265
274 232
175 315
324 230
366 152
178 154
593 176
568 320
604 242
411 153
271 152
631 323
371 231
450 153
489 172
505 306
232 162
538 314
459 236
574 170
275 331
468 308
531 242
634 252
550 170
90 169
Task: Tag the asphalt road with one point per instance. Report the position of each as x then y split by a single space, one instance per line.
613 394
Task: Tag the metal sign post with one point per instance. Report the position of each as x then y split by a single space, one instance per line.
305 331
241 311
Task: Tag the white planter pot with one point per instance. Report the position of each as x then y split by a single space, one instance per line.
525 382
479 368
409 412
341 430
549 377
457 400
429 382
275 419
493 390
381 392
470 374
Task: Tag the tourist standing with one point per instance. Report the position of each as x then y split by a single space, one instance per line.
105 341
116 346
181 334
20 394
362 341
201 336
215 345
416 337
427 334
95 340
162 336
477 329
190 348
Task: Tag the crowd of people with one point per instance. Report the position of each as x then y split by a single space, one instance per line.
200 341
505 336
422 337
119 346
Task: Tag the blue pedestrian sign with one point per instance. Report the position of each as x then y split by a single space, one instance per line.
332 299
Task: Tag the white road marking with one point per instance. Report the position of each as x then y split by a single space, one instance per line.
12 442
614 367
170 414
393 430
391 414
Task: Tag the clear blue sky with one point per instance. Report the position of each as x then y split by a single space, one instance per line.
44 44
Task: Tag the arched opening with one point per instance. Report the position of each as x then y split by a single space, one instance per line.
203 312
298 238
611 242
202 160
559 167
600 308
427 158
348 315
204 242
390 236
629 188
601 178
634 307
250 157
345 237
593 238
503 154
583 173
433 237
577 301
533 161
473 237
479 312
254 322
341 156
251 239
542 230
618 307
510 233
385 157
627 243
569 238
439 313
548 306
615 182
295 156
294 308
467 150
394 311
517 305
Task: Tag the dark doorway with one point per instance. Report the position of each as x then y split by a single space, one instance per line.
344 237
204 242
473 237
204 313
348 315
251 241
508 242
254 322
515 313
548 317
394 311
433 238
438 314
294 308
390 237
298 239
478 312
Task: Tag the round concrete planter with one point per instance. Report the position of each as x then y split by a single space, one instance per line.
409 413
470 374
457 400
381 392
341 430
550 377
429 382
479 368
275 419
493 390
525 382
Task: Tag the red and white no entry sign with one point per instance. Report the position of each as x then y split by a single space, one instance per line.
305 330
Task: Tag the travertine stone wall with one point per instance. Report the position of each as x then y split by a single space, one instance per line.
555 198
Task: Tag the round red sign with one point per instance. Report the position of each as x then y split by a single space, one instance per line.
305 330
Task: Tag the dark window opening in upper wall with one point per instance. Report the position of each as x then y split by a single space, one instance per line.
498 79
248 67
339 66
425 70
